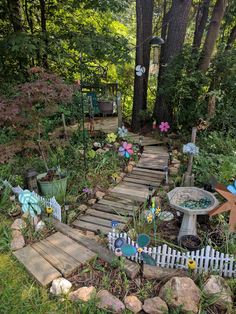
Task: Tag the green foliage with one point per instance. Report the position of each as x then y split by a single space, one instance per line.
216 158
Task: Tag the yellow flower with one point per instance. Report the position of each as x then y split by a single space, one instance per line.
191 264
49 210
149 218
111 138
140 250
158 210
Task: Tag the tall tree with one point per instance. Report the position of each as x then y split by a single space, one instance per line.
15 14
212 34
177 25
232 38
144 14
201 21
44 32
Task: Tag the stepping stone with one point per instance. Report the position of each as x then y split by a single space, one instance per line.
37 266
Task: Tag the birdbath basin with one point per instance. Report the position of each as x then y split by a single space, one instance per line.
191 202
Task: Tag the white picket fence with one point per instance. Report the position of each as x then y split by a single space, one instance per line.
207 259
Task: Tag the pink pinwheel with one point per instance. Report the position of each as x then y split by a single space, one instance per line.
164 126
126 150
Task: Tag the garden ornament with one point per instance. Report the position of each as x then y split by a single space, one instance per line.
30 203
128 250
191 149
126 150
164 127
122 132
229 194
111 138
140 70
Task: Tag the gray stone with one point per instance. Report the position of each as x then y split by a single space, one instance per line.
84 294
18 241
109 302
60 286
18 224
92 201
218 287
133 304
82 208
40 226
155 306
159 273
181 291
99 195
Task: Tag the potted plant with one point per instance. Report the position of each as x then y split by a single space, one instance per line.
53 183
106 103
190 242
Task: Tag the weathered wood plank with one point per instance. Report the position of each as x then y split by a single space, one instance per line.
146 176
98 221
154 167
59 259
120 200
37 266
153 172
91 227
131 269
132 194
108 209
114 204
136 187
104 215
143 181
71 247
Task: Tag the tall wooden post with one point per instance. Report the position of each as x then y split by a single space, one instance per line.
188 177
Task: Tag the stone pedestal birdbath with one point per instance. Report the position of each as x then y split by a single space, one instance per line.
191 201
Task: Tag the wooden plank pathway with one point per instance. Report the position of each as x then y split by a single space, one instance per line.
62 253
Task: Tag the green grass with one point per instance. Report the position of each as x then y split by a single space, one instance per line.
19 294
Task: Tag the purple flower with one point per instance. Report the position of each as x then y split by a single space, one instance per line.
87 190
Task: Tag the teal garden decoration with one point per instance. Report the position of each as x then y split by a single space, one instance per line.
30 203
128 250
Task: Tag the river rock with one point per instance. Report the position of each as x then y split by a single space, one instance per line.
18 241
99 195
92 201
181 291
82 208
216 285
155 306
109 302
18 224
84 294
40 226
60 286
133 304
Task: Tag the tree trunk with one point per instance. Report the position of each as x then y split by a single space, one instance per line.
178 19
212 34
144 14
201 21
15 14
231 39
44 33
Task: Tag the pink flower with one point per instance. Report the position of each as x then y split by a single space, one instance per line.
164 126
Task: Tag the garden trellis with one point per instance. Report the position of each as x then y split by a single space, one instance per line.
207 259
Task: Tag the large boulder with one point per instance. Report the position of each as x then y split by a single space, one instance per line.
60 286
181 291
84 294
155 306
133 304
217 286
109 302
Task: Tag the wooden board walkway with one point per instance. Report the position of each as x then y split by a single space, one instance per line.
63 252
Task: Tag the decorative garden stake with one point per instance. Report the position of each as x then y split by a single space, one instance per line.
30 203
128 250
126 150
49 210
192 150
164 127
111 138
229 194
140 70
114 224
122 132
